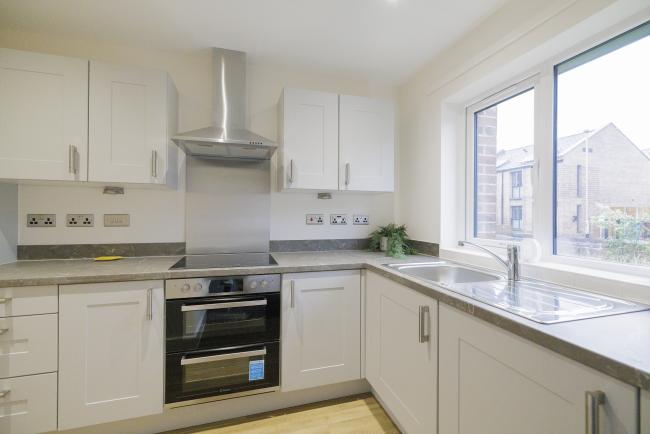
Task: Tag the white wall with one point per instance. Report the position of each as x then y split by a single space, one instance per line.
158 215
8 222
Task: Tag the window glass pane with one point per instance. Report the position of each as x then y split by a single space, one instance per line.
504 157
602 155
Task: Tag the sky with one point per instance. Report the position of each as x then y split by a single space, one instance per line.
613 88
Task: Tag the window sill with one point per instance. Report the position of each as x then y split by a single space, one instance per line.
611 283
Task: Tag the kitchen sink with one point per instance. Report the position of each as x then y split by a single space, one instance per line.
444 273
541 302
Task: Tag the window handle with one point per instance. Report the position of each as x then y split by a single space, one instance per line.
154 163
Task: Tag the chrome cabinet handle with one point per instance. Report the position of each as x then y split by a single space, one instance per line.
423 324
593 401
347 174
219 357
291 171
4 330
4 393
72 159
214 306
149 304
292 294
5 300
154 163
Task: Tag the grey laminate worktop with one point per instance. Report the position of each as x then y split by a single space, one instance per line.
617 345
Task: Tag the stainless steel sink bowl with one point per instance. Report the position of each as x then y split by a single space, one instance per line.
541 302
444 273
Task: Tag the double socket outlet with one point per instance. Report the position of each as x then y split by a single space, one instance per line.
337 219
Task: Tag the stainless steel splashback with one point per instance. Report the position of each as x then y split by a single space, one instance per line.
228 206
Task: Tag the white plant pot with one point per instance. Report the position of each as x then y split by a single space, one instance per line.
383 244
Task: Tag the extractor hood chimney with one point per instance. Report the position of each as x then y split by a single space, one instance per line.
227 138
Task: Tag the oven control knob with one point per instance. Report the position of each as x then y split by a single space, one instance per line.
198 287
185 287
254 284
264 283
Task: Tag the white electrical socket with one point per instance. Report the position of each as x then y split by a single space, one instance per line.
360 219
314 219
338 219
80 220
42 220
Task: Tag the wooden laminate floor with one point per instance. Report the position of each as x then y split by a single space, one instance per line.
359 414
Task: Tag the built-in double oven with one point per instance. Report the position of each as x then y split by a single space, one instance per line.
222 338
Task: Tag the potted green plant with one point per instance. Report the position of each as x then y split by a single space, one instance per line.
392 239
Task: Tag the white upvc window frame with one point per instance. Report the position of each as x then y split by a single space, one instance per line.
509 91
542 79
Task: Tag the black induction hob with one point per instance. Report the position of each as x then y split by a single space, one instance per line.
224 260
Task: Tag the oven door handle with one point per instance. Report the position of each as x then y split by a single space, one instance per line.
213 306
219 357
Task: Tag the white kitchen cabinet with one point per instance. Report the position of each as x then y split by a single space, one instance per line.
401 352
332 142
492 381
309 138
28 300
132 116
43 116
111 352
366 144
29 406
321 328
28 345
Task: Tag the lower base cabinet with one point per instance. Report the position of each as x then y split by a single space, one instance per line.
321 328
401 353
111 352
492 381
28 404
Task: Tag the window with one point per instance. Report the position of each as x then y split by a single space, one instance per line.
571 145
516 218
516 184
502 129
601 129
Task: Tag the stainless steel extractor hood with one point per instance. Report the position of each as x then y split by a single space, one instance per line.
227 137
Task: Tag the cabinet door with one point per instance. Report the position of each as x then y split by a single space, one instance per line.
366 144
310 139
111 338
128 124
43 116
492 381
321 329
401 352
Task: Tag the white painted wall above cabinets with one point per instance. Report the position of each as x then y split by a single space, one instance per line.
335 142
66 122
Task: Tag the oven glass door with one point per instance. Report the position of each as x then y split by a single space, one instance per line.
205 374
217 322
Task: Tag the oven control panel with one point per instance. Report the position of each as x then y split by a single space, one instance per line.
209 286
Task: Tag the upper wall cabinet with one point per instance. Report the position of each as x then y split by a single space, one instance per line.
332 142
43 116
63 119
366 144
309 131
130 124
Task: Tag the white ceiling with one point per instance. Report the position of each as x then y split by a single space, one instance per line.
384 39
